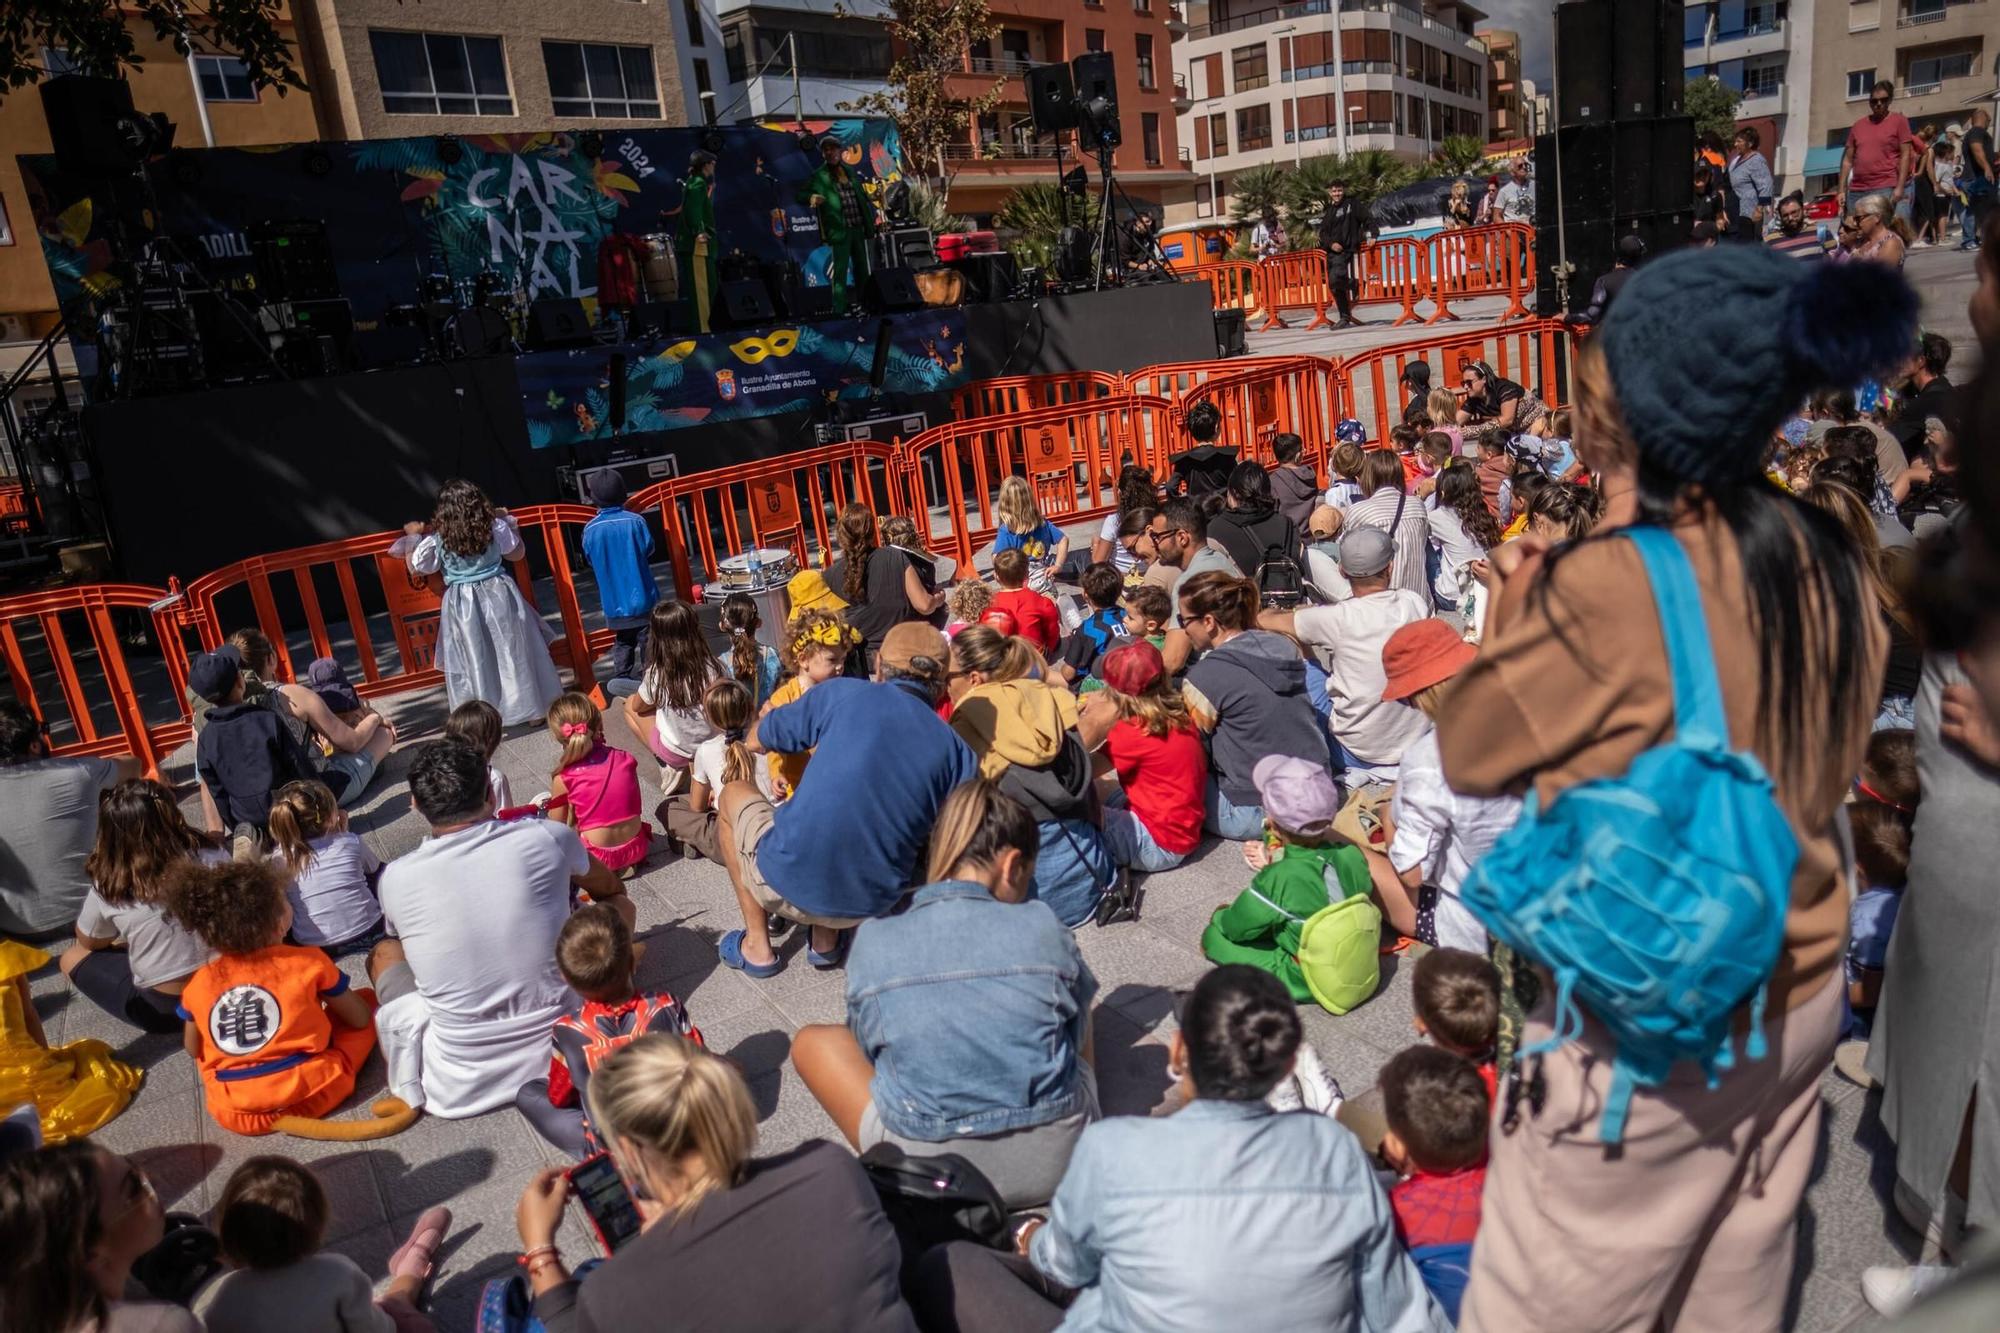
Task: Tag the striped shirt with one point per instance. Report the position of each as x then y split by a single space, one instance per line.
1806 245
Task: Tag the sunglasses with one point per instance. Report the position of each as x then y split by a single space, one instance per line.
1878 101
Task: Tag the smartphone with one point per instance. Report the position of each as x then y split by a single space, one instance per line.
597 1189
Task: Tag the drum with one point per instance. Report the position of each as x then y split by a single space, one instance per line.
661 274
775 567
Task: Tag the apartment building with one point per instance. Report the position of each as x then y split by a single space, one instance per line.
1507 91
1001 150
797 59
1266 85
1764 50
384 69
1940 54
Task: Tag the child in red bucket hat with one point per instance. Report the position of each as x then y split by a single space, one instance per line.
1153 822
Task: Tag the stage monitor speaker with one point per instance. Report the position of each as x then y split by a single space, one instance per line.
83 115
1051 98
1585 178
479 331
796 298
1229 340
894 289
1636 68
987 277
558 321
1583 62
745 303
1096 100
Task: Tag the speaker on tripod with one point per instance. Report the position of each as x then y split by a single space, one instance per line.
1097 99
1051 99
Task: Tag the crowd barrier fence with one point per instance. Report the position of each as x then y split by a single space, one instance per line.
1496 260
1233 284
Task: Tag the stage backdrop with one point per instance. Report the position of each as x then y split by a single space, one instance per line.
530 208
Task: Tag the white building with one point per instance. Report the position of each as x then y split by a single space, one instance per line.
1765 51
1265 85
791 59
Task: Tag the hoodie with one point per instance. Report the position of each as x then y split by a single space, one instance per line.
1297 489
1014 722
1254 685
1251 534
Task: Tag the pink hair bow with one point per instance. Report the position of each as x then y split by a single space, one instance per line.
576 729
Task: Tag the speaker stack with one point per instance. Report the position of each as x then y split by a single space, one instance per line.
1626 150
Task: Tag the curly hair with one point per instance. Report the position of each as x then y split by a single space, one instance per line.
463 520
814 629
855 531
968 600
236 907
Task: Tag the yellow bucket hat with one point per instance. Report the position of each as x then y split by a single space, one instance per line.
809 592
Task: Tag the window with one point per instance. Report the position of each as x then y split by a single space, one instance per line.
1218 133
1093 39
1253 128
1932 70
589 79
441 74
224 79
1250 67
1142 6
732 52
1763 80
857 51
1149 122
1864 15
693 8
1146 80
1859 81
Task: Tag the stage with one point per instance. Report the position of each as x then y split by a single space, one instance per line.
196 480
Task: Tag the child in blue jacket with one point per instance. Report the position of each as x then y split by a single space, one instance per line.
617 543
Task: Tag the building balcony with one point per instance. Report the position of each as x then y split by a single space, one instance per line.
1922 13
1408 15
1183 99
1758 102
1006 66
1756 38
1000 150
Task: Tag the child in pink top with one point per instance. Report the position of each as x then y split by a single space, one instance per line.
601 784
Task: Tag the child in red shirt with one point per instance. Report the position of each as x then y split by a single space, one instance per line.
277 1033
1437 1110
1457 998
1154 820
597 958
1035 616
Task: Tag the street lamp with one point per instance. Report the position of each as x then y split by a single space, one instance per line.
1292 66
1214 199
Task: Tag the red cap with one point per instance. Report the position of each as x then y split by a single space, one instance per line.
1421 654
1001 620
1133 668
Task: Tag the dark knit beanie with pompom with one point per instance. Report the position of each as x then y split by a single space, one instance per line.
1710 350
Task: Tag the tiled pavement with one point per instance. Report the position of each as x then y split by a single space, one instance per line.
479 1166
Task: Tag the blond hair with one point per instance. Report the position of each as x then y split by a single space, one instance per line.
1346 460
300 812
996 656
810 630
1160 710
1015 504
968 600
673 1100
975 825
577 726
1441 406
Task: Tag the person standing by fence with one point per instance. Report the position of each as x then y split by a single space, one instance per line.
1343 229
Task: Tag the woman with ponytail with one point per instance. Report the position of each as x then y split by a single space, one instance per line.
755 664
881 588
968 1016
1573 684
1247 692
726 1240
690 816
601 787
1225 1214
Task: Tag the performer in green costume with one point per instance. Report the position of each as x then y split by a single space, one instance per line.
846 218
695 243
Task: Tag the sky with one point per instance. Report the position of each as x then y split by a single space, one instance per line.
1536 23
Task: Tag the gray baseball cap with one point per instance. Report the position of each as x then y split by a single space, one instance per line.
1366 551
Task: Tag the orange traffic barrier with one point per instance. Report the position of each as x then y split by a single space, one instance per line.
1482 261
1070 455
1171 379
1300 395
1394 273
1021 393
1295 280
1232 284
1526 353
789 501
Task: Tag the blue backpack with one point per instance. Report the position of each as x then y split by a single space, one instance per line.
1657 899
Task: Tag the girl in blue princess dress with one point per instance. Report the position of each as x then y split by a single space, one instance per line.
491 643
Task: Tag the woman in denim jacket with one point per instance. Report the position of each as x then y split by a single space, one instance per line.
968 1015
1226 1214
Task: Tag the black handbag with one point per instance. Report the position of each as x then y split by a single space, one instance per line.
935 1200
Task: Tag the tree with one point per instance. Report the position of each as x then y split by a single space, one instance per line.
1458 154
929 208
1369 174
932 38
1036 215
1255 189
1713 105
94 35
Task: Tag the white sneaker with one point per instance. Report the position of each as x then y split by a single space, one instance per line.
671 779
1892 1290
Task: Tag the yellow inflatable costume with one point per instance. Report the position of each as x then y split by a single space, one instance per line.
77 1088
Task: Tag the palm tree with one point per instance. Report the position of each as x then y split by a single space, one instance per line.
1255 189
1035 213
1369 174
930 208
1458 154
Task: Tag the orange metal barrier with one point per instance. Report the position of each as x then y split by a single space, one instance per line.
13 499
80 636
1482 261
1021 393
1232 284
1295 280
1525 353
790 501
1070 455
1171 379
1394 273
1302 395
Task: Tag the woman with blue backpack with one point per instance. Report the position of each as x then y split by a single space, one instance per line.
1682 697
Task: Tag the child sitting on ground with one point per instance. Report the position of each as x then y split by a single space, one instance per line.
965 604
690 816
597 958
1022 528
1097 632
272 1220
1564 511
326 678
817 643
1036 618
333 871
1496 477
1437 1109
477 723
1345 464
601 784
1882 811
1434 454
665 713
1153 821
1522 490
755 664
1456 994
245 752
277 1033
69 1090
1147 609
1304 867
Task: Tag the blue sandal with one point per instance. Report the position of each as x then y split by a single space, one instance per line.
730 949
826 962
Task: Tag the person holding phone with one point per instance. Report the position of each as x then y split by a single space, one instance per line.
723 1240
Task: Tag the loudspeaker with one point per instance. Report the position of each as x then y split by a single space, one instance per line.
1662 230
796 299
1229 339
652 319
83 115
745 303
894 289
1586 179
480 331
1583 62
1051 98
558 321
1673 76
1652 164
1589 248
987 277
1673 162
1637 70
1097 99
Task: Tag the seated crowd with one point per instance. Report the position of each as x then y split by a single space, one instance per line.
1353 666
